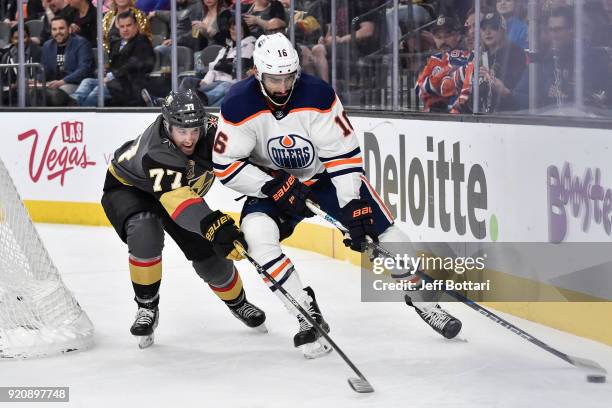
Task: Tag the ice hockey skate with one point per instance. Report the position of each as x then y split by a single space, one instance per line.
250 315
144 326
439 319
308 339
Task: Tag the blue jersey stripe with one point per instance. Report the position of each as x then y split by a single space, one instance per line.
352 153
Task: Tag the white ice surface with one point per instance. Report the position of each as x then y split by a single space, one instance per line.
204 357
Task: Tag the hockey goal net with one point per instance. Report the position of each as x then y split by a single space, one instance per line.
39 316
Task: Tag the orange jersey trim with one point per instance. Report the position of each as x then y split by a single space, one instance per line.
228 171
256 114
334 163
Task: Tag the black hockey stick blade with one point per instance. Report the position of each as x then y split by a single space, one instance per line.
360 385
586 364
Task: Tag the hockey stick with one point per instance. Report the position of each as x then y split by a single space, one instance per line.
575 361
360 384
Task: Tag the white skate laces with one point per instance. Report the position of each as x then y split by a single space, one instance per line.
436 317
247 310
145 316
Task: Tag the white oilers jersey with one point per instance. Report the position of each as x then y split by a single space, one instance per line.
310 136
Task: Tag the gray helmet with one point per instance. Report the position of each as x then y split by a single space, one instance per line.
184 109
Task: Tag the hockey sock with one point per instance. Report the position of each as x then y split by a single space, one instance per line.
231 291
145 239
146 278
283 271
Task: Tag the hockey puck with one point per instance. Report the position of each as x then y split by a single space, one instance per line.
596 378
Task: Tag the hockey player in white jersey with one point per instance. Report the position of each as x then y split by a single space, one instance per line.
284 137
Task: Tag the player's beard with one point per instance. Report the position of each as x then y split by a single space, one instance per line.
281 99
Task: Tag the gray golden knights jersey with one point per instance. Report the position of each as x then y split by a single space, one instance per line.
152 163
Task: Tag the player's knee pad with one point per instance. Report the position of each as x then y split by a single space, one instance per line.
262 236
214 270
145 235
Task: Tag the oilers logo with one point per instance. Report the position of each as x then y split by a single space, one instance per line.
291 151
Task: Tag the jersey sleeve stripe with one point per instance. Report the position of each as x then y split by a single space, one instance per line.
350 154
221 166
229 170
346 171
378 200
341 162
182 206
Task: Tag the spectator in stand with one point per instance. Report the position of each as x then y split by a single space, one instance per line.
186 12
366 34
457 9
440 81
469 33
85 20
502 66
131 59
208 28
261 13
35 10
516 30
597 28
447 33
306 19
54 8
109 28
147 6
106 5
8 11
9 56
68 59
556 71
222 73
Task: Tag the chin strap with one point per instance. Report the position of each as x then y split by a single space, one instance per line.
269 98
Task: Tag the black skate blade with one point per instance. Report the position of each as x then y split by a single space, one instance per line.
360 385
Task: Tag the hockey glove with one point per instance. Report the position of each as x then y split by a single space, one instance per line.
357 218
221 231
289 194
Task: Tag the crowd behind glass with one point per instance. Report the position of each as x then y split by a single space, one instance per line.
545 57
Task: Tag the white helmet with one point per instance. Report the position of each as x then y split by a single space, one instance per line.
274 54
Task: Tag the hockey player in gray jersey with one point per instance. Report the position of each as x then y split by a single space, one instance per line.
156 183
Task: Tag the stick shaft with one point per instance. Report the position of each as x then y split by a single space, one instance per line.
299 308
576 361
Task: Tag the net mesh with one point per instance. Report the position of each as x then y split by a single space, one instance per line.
39 316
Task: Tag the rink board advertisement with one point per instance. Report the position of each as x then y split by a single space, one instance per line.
443 181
